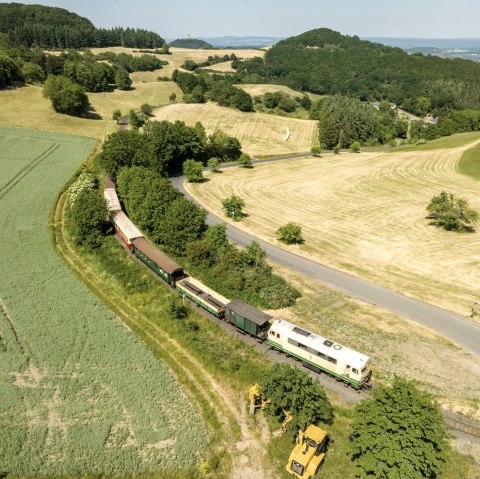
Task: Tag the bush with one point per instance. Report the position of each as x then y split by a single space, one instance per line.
245 161
146 109
193 171
452 213
291 233
176 307
213 164
116 115
355 147
233 207
33 73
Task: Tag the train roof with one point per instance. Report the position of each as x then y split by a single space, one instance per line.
123 223
245 310
160 258
113 204
323 345
218 297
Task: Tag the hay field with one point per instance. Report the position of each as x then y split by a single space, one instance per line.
365 213
261 89
259 133
79 394
26 107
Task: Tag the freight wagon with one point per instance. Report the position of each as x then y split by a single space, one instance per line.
247 319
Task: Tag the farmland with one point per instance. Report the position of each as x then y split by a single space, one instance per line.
259 133
365 213
80 395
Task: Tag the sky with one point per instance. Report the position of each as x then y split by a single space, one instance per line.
283 18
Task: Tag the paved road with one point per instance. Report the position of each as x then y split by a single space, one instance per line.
455 327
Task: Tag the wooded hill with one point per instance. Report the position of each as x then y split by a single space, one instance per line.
324 61
190 43
57 28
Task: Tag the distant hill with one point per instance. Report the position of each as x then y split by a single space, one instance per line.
443 43
324 61
57 28
190 43
242 42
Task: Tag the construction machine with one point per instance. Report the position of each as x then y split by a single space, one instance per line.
256 399
308 454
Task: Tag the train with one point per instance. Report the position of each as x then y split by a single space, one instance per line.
315 352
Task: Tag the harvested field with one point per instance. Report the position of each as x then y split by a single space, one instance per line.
365 213
259 133
79 394
261 89
26 107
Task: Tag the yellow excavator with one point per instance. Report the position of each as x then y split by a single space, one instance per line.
256 399
308 454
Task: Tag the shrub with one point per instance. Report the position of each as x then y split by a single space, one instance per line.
291 233
116 115
146 109
213 164
233 207
193 171
245 161
452 213
355 147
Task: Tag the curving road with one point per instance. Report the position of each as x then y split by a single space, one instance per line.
457 328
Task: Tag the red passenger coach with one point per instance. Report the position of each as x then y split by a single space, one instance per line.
126 229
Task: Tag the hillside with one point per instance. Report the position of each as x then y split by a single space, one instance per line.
190 43
57 28
325 62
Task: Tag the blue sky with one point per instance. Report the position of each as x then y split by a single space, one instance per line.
177 18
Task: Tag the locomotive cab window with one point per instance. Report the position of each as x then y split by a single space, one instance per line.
354 370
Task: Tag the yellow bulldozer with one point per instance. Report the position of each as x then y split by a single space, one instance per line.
256 399
308 454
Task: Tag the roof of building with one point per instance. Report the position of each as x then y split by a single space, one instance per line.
123 223
253 314
113 203
109 184
321 344
157 256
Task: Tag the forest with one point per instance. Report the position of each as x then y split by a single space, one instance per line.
326 62
57 28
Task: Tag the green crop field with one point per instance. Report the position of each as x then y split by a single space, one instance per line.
79 394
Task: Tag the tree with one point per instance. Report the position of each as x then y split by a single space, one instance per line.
233 207
293 390
291 233
254 255
245 161
183 223
122 79
217 235
33 73
193 171
116 115
201 253
213 164
452 213
66 96
172 98
220 145
316 150
399 434
135 120
146 109
88 218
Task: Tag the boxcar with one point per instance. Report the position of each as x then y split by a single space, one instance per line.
160 263
202 295
125 228
247 318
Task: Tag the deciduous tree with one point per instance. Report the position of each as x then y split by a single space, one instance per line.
291 233
452 213
233 207
193 171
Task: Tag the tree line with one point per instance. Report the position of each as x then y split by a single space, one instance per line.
57 28
200 87
325 62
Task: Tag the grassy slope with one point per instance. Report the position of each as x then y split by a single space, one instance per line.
259 133
69 373
469 164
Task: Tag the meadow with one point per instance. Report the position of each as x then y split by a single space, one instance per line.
259 133
366 213
80 394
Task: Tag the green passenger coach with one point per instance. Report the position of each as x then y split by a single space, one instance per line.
167 269
247 318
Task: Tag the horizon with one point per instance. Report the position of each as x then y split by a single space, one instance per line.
429 20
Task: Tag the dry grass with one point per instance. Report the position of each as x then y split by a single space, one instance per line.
223 67
261 89
365 213
26 107
259 133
